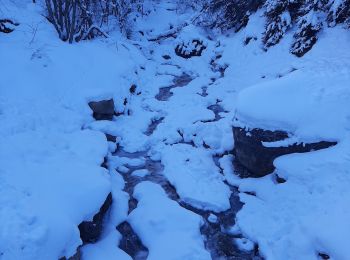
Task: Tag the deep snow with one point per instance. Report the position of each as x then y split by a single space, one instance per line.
51 148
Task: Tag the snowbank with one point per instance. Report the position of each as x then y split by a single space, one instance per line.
50 173
168 230
307 215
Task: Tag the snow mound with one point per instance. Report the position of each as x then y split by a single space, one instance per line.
196 177
168 230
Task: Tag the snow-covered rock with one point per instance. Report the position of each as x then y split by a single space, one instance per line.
256 149
168 230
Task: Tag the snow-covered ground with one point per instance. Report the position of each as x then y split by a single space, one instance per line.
51 148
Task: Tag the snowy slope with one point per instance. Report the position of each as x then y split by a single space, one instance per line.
51 179
306 214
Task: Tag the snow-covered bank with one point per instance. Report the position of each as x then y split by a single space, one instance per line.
50 173
303 216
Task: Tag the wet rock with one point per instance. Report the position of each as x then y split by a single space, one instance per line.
131 243
323 256
111 138
190 49
280 179
104 164
102 110
132 204
90 231
258 159
132 89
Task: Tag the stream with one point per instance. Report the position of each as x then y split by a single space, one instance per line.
218 238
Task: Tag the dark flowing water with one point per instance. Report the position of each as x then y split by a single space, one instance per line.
217 238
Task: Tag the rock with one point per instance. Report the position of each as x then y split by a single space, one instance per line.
166 57
280 180
132 89
190 49
102 110
323 256
90 231
111 138
104 164
258 159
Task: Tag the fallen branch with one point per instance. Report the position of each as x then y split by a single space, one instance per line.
168 34
173 32
92 27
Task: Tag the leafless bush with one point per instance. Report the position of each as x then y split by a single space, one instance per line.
76 20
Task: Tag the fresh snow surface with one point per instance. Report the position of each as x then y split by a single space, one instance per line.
168 230
305 215
50 174
51 147
140 173
200 183
244 244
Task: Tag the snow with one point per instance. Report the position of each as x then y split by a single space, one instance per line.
212 218
140 173
297 112
51 179
305 215
52 149
244 244
187 167
283 143
166 227
105 247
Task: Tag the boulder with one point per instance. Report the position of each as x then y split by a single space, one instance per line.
102 110
190 49
90 231
257 159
